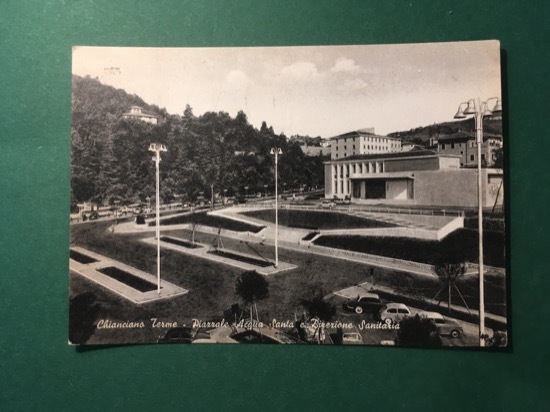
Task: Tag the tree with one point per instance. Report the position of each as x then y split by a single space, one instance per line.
499 339
499 158
448 275
499 164
83 311
110 159
317 307
188 112
251 287
418 332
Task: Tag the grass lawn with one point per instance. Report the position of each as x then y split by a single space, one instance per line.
211 285
202 218
316 220
459 246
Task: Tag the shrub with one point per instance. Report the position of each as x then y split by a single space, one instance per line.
418 332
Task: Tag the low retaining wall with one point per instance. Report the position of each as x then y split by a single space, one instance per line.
457 223
375 260
409 232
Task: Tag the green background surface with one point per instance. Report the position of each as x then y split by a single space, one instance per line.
39 371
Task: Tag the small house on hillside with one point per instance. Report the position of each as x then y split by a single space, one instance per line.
137 112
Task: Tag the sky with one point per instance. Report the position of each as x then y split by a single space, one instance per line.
314 90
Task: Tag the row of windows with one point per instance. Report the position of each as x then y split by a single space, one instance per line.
361 168
444 146
371 146
368 139
470 144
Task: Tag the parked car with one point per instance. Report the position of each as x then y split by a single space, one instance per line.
394 313
347 337
182 334
367 302
352 338
327 204
346 200
445 326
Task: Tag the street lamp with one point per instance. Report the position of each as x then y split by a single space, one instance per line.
157 148
265 190
212 196
276 152
479 110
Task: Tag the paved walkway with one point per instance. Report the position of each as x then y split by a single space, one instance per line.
291 238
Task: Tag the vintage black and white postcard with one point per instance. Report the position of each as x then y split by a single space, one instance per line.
347 195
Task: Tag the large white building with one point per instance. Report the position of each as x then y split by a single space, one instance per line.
422 177
362 142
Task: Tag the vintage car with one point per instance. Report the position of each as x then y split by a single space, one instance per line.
366 302
445 326
394 313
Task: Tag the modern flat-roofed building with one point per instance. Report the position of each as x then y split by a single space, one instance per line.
423 178
361 142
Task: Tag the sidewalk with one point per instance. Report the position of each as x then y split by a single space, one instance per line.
291 238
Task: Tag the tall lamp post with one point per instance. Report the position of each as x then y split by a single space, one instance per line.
157 148
212 196
276 151
479 109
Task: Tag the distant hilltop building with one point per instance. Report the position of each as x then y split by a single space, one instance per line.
463 144
407 147
136 112
362 142
315 150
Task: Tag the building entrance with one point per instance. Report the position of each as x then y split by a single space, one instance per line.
375 189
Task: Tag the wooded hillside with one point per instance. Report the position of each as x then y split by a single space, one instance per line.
111 161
